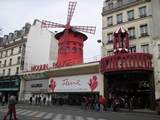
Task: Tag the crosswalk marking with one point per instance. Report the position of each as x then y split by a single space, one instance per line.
58 117
79 118
48 116
90 118
40 114
33 113
27 112
68 117
20 111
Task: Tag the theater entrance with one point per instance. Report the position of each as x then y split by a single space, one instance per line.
129 84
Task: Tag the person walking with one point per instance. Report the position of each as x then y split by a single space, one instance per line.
102 102
11 108
3 100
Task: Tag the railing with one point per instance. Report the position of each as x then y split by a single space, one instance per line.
118 4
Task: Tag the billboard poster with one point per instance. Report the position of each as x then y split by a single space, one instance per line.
78 83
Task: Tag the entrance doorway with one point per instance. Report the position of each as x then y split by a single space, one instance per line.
137 86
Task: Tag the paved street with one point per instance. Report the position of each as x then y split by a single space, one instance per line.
31 112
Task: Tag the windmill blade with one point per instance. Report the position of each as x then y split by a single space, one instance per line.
48 24
71 9
87 29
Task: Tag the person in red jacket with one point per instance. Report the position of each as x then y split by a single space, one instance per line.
102 102
11 108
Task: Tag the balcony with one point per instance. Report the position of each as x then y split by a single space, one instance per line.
121 5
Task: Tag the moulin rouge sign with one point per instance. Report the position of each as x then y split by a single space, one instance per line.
42 67
39 67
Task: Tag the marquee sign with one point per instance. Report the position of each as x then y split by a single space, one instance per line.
79 83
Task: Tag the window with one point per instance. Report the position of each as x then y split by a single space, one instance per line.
5 63
110 37
145 48
110 5
12 51
131 32
144 30
6 53
119 2
18 60
132 49
119 18
3 72
10 62
159 50
110 52
20 49
0 63
130 15
109 21
142 11
17 70
9 71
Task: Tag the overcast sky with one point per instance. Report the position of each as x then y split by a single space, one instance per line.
15 13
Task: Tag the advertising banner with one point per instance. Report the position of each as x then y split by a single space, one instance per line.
78 83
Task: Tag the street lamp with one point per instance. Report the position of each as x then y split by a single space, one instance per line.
100 41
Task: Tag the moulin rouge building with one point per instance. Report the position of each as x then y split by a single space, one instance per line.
128 74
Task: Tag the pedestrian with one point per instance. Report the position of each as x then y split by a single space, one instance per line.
3 100
131 103
44 100
30 100
101 101
11 108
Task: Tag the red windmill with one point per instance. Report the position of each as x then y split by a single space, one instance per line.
70 41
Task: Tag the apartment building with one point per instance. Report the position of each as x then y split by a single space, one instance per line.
140 18
20 50
12 53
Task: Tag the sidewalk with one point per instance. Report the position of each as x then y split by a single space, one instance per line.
147 111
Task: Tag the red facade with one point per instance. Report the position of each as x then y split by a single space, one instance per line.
122 59
70 50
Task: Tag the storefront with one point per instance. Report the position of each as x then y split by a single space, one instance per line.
128 76
9 85
69 84
34 85
72 88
